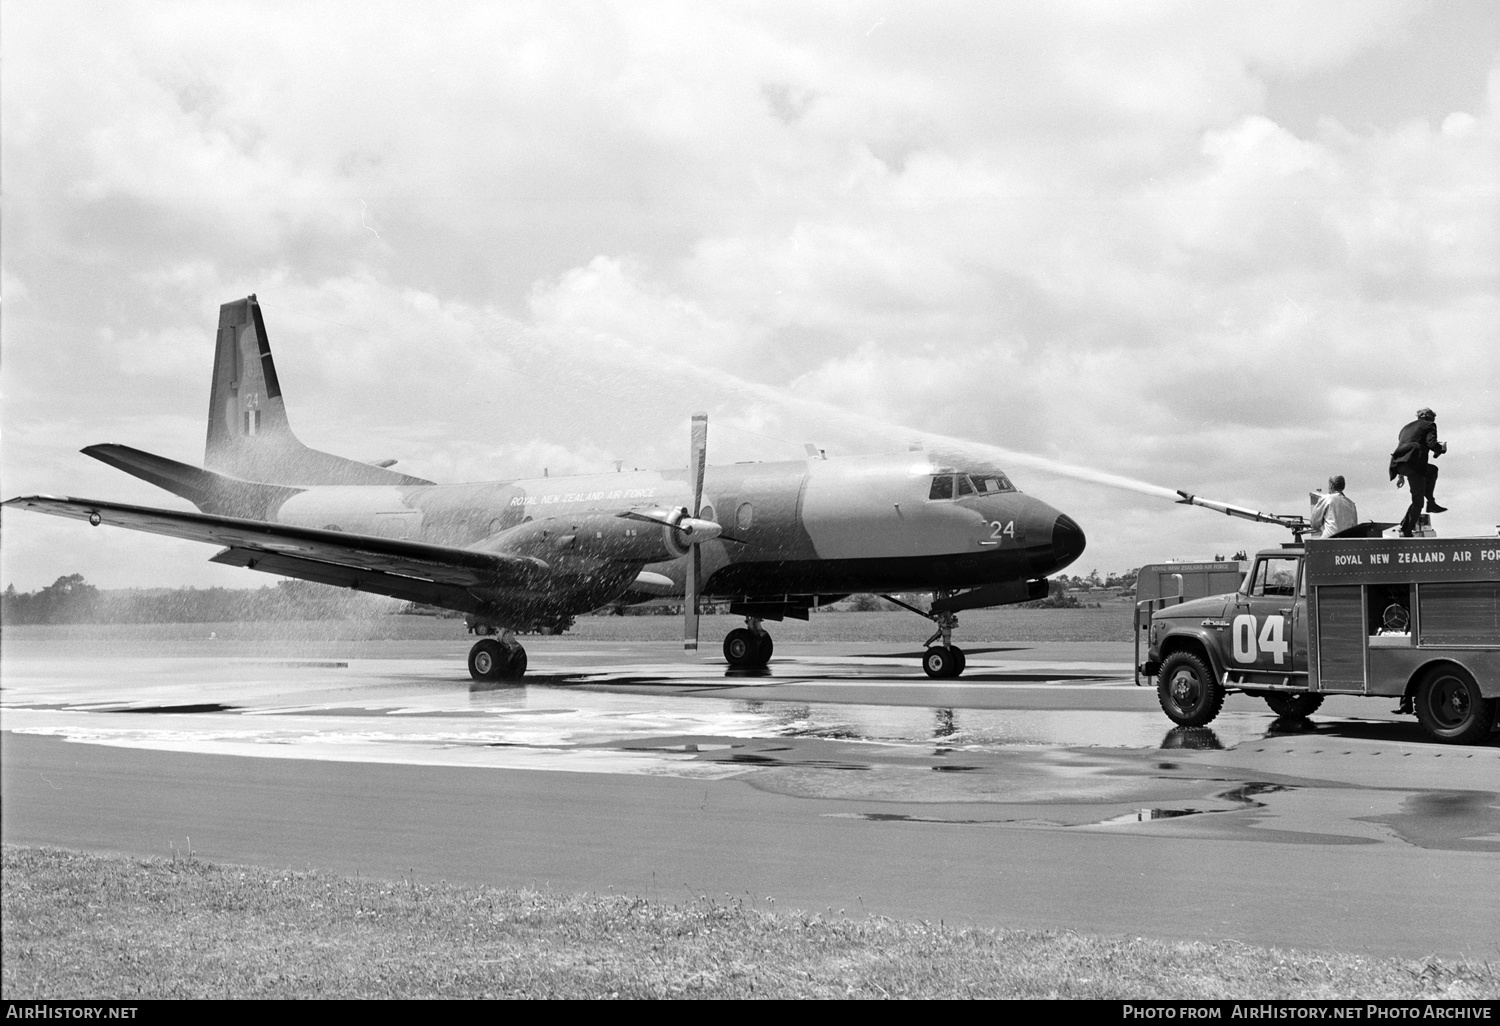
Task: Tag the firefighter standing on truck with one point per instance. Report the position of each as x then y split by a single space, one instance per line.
1409 460
1334 512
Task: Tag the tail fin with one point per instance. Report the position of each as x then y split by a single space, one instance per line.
249 436
210 492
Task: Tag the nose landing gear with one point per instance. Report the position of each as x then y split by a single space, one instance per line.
943 660
939 661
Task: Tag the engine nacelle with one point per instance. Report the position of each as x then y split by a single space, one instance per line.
650 537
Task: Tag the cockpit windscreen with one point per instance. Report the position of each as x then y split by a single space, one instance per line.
957 486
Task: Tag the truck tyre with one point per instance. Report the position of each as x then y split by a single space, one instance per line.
1187 690
1451 708
1295 706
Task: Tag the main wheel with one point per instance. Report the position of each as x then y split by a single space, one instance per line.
1298 706
741 648
1451 708
764 646
488 659
516 666
962 660
1187 690
940 662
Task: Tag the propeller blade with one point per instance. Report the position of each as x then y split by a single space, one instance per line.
697 457
697 530
690 603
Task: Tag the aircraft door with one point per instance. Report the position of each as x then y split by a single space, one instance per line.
1263 619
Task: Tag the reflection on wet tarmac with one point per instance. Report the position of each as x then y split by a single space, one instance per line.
1243 797
1064 755
330 710
1201 739
987 727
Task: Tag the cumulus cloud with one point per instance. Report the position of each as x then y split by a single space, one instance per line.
490 239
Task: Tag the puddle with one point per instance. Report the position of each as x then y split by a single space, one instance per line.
1242 796
200 707
1452 820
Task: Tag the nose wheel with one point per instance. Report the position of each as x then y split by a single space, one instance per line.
940 661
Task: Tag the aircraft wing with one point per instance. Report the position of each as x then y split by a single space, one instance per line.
388 566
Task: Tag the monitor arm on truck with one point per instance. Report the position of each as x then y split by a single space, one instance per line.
1296 524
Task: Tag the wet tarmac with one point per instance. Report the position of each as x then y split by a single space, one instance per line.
1035 745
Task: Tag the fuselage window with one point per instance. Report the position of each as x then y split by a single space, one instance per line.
942 487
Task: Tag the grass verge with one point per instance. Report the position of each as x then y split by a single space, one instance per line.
78 925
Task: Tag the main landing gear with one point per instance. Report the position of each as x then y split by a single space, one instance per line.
495 659
748 647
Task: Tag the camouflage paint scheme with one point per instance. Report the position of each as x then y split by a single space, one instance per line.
531 554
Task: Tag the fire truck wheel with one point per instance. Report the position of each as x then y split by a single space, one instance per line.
1451 708
1294 706
1187 690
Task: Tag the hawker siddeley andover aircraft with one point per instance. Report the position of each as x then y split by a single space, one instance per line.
771 539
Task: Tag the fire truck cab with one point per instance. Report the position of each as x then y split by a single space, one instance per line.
1417 619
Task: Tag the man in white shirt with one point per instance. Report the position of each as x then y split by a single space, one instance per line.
1334 512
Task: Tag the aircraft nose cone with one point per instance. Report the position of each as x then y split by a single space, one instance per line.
1067 540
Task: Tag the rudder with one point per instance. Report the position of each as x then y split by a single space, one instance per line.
249 435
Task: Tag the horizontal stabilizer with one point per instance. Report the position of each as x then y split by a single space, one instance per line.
209 491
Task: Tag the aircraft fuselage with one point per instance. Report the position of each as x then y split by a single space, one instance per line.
800 527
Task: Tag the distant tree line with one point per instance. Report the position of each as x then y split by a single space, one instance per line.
1093 580
71 599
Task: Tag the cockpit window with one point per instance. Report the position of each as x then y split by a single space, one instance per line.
956 486
989 484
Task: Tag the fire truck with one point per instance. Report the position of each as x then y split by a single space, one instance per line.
1415 619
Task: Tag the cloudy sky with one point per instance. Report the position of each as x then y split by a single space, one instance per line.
1215 246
